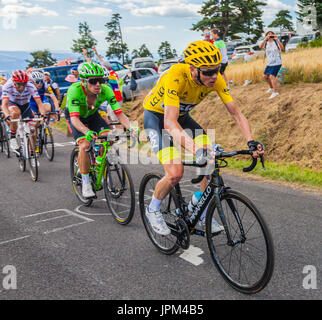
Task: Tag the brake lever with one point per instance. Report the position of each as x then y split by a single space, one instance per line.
262 161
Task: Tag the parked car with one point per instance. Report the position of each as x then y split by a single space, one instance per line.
145 62
167 64
247 53
295 41
231 45
145 78
313 36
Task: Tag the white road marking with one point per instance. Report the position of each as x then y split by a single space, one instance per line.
13 240
66 227
78 210
192 255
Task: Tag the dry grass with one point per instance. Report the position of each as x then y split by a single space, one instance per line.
303 65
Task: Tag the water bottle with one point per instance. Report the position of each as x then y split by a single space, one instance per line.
96 154
194 200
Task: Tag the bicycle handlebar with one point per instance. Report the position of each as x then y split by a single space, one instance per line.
224 154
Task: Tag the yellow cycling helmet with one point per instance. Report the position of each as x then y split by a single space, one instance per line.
202 54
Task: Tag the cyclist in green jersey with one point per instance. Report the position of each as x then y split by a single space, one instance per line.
83 101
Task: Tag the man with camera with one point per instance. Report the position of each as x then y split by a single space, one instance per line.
273 47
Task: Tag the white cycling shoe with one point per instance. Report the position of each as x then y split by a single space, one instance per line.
215 226
87 191
157 222
33 162
14 144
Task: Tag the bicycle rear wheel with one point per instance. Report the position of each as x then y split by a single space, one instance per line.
32 159
77 178
166 244
49 144
119 192
247 263
5 143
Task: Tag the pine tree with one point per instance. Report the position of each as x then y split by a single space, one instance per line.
283 20
143 51
231 17
86 41
165 51
41 59
117 47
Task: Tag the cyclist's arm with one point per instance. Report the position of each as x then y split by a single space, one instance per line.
56 103
5 105
39 104
171 124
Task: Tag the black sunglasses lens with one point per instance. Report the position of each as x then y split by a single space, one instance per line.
210 72
94 81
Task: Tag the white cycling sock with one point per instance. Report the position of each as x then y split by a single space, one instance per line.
155 204
85 178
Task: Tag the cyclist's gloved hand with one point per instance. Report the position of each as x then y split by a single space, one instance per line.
135 130
90 135
203 155
256 147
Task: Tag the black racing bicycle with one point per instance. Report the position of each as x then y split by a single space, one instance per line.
243 253
45 137
4 137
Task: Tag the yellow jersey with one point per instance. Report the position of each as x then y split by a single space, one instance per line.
175 87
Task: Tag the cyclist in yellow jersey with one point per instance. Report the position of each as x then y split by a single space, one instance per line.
166 117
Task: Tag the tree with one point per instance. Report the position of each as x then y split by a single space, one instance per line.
41 59
231 17
165 51
283 20
86 41
117 47
143 51
302 13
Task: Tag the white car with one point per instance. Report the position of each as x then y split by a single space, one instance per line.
145 78
294 42
247 53
146 62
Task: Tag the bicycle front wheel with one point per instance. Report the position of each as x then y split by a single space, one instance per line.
77 178
166 244
247 262
49 144
32 159
119 192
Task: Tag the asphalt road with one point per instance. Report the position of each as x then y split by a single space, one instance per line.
63 251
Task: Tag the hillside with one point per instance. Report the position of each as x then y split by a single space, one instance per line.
289 125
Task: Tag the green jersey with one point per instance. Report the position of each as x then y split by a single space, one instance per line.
77 101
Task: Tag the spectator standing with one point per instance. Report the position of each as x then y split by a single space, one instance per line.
221 45
207 36
50 83
273 47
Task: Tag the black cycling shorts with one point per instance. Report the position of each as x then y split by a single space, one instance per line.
95 123
25 109
160 139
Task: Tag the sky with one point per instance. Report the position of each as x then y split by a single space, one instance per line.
31 25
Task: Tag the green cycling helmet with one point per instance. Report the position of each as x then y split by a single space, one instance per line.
90 70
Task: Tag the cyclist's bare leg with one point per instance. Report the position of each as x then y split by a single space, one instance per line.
173 174
83 157
15 114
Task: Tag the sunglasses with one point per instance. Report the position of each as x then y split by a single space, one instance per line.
209 73
93 81
39 81
21 84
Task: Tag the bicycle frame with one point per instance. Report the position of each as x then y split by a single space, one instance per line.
99 169
213 189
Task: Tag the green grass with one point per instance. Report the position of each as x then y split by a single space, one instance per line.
281 171
61 125
312 44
